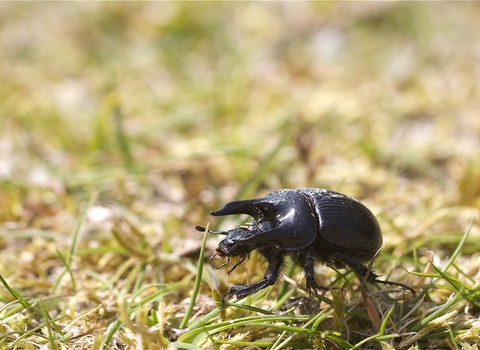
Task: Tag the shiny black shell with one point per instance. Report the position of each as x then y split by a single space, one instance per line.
325 220
344 225
307 224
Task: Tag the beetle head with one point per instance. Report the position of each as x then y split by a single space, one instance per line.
236 242
233 244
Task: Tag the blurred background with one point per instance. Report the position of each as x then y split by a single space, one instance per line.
158 113
183 106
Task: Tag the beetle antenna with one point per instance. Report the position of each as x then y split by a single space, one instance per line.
200 228
203 229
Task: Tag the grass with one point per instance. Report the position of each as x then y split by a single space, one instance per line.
123 126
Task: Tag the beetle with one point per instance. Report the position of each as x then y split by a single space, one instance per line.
309 225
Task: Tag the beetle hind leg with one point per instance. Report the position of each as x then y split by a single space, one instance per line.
362 270
401 285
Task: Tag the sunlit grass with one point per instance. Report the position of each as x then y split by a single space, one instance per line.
121 127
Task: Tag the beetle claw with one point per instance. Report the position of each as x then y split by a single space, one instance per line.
315 288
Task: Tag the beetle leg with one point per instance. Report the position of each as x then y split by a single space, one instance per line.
274 264
242 259
308 268
225 263
356 266
401 285
362 270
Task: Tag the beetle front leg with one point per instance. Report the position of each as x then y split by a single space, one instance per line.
308 268
274 264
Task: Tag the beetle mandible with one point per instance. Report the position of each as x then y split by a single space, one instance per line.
307 224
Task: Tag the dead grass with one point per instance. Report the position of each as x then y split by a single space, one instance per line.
122 126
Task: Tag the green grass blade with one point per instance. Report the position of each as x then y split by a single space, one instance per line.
48 326
122 138
18 296
79 229
111 330
74 245
186 346
437 313
68 270
198 280
383 326
459 248
34 331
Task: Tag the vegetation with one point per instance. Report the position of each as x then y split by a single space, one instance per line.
123 125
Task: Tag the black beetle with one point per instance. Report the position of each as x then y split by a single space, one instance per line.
307 224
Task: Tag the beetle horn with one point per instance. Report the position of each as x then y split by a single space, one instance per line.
256 208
